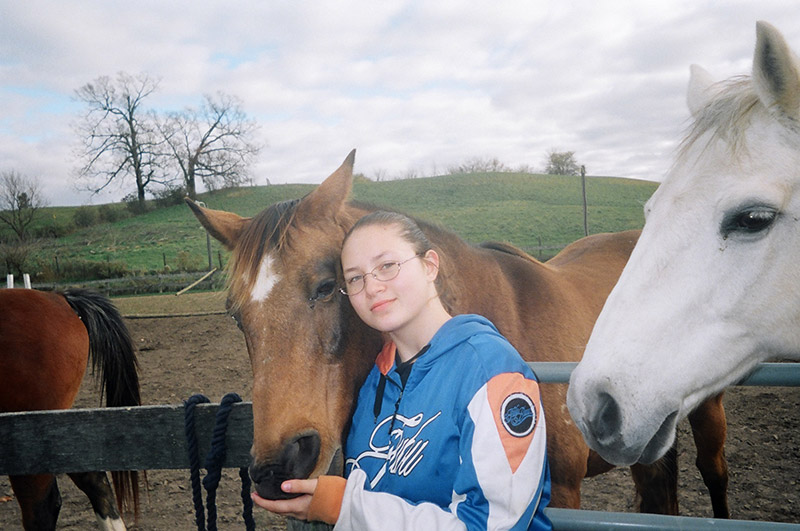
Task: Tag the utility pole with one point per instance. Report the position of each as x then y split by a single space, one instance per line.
585 208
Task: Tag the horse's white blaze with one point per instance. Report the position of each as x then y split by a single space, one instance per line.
265 281
701 300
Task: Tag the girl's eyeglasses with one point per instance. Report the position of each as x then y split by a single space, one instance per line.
384 272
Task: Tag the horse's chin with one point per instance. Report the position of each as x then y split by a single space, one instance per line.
661 442
272 491
268 481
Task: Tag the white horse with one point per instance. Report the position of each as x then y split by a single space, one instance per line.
713 285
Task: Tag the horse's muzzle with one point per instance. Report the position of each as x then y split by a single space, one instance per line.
605 431
297 460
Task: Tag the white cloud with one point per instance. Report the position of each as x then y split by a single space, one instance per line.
415 86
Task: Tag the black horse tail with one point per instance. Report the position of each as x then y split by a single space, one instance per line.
110 347
115 366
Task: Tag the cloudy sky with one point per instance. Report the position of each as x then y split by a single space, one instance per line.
416 87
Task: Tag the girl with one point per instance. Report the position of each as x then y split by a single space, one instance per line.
448 430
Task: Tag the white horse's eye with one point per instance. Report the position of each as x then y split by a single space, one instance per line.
750 220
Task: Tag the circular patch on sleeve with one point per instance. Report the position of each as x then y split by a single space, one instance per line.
518 414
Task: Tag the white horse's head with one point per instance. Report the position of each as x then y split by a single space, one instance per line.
713 285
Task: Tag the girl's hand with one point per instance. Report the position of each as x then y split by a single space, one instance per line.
295 507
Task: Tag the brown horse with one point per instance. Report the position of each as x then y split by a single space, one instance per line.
310 352
46 340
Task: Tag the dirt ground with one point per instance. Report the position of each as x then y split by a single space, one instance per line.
181 356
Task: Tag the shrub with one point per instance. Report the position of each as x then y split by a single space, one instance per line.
15 257
169 196
73 269
110 213
187 262
133 205
54 230
85 216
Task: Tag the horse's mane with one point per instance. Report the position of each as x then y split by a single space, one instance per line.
726 115
508 249
267 230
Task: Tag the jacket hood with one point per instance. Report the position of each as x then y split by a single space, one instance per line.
457 330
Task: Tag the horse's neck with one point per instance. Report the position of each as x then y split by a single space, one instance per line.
487 280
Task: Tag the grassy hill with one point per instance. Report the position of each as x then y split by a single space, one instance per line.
527 210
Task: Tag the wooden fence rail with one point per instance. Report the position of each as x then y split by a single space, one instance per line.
123 438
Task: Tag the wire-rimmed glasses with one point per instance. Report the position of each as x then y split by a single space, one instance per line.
383 272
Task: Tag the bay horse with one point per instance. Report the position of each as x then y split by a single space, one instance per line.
713 285
46 340
310 352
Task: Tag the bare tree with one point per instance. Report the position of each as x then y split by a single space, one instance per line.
561 163
212 143
478 165
119 138
380 174
20 200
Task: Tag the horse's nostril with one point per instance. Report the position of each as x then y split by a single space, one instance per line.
297 460
301 454
607 419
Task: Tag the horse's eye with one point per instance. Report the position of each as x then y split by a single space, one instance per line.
751 220
324 289
237 320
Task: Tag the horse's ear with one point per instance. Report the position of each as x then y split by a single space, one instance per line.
329 197
700 89
224 226
776 71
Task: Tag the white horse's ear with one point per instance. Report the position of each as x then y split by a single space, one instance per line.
700 89
776 71
329 197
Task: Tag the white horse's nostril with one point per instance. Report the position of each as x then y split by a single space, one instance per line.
607 420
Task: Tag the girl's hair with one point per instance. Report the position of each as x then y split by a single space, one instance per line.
409 230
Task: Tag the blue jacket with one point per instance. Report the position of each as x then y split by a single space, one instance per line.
460 446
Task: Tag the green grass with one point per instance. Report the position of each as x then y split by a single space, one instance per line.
527 210
522 209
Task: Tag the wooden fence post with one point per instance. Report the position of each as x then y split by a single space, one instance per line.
585 207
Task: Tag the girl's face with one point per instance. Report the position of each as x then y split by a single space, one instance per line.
397 304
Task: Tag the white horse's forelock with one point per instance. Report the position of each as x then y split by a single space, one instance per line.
724 117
